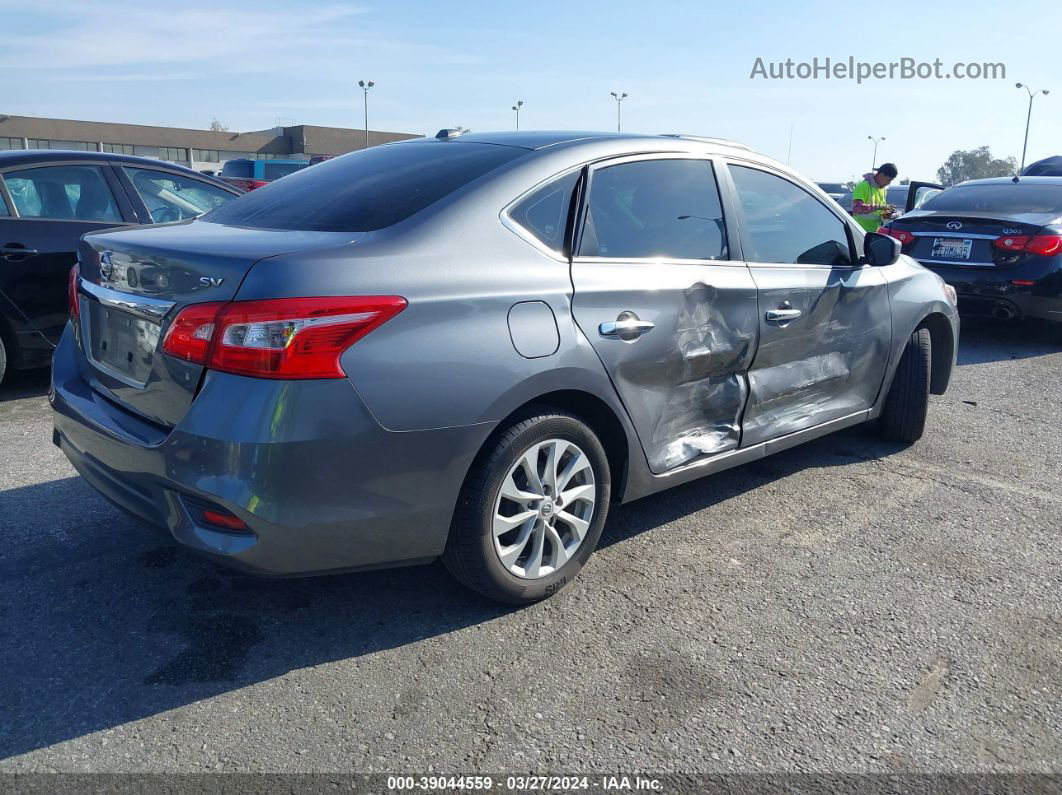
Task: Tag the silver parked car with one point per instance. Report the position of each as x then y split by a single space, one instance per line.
468 347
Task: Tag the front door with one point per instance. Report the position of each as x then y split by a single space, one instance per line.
670 315
825 321
55 206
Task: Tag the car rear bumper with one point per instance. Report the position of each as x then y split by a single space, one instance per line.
320 484
993 293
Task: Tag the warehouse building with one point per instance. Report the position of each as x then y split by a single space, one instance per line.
203 150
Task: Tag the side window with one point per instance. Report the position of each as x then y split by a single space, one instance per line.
784 223
70 193
655 208
174 197
545 212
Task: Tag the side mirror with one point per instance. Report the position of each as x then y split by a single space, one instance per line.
880 250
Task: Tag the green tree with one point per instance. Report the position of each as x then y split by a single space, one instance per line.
974 164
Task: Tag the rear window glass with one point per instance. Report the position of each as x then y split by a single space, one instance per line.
242 169
1006 198
278 170
366 190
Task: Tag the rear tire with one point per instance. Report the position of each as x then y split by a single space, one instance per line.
3 360
503 565
903 419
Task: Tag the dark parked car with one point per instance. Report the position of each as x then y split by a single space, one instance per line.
468 347
48 199
997 241
247 174
1048 167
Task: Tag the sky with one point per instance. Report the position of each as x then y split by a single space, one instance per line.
685 66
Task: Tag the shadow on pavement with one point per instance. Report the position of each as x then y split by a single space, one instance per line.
983 340
105 621
20 384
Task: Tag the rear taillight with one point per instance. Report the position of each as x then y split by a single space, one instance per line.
1041 245
905 237
281 338
192 330
71 292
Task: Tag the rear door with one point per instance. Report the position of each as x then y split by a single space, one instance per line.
670 314
54 204
824 321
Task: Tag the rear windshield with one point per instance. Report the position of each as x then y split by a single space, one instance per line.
241 169
1006 198
367 190
278 170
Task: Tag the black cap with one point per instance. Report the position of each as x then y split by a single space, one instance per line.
888 169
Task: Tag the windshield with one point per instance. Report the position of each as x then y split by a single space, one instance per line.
366 190
999 197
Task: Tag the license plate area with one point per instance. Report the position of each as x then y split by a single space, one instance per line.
121 343
951 248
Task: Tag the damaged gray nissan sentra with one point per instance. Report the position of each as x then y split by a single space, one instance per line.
467 347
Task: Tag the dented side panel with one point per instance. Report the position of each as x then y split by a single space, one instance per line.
827 363
683 382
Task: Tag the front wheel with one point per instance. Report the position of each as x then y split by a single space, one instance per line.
531 511
903 418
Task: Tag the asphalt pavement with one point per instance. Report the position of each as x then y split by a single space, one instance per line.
849 605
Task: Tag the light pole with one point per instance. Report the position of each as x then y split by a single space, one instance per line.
1028 118
876 141
519 104
365 90
619 98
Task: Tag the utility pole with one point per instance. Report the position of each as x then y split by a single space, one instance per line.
365 90
876 141
519 104
619 98
1028 118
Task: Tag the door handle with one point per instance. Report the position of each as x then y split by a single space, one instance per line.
17 250
628 328
783 315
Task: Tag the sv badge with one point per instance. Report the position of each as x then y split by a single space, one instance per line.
210 281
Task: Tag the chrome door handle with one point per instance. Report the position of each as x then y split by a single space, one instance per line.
9 251
783 314
628 328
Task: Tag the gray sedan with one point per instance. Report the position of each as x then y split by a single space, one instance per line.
468 347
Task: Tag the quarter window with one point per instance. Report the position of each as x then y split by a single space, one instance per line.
72 193
170 197
545 212
655 209
786 224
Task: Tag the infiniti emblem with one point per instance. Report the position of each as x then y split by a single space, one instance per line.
954 225
106 266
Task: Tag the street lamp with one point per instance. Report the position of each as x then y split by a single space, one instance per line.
365 90
1028 118
876 141
519 104
619 98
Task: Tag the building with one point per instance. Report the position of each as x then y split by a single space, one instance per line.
203 150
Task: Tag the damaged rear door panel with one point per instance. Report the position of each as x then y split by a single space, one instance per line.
672 318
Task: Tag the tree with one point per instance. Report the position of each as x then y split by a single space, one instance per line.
217 126
974 164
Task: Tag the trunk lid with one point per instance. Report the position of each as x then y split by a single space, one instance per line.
133 284
965 239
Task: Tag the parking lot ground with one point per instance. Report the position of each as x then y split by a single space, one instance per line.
848 605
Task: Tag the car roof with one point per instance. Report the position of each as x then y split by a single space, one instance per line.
1010 181
12 157
540 139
